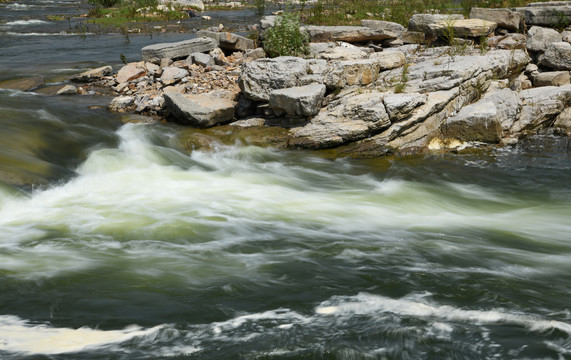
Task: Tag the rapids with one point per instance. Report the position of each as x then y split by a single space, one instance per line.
118 243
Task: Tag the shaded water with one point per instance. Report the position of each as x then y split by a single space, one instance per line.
116 243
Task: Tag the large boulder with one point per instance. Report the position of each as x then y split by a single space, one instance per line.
301 101
332 51
131 71
349 34
93 74
557 56
551 78
228 41
389 59
548 14
540 106
201 110
505 18
386 26
539 38
258 78
399 106
355 72
173 75
350 117
507 105
476 122
463 28
436 73
182 49
562 124
422 22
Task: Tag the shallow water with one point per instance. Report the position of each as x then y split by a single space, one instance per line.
117 243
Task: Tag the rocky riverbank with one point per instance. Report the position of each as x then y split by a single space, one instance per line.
444 83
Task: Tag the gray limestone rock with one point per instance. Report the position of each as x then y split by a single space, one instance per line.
201 59
539 38
422 22
258 78
93 74
228 41
67 90
346 33
547 14
202 110
476 122
172 75
331 51
301 101
505 18
131 71
557 56
353 72
562 124
351 117
551 78
463 28
540 106
389 59
507 106
399 106
194 4
182 49
386 26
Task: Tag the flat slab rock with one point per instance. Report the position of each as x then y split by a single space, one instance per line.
156 52
203 110
347 33
228 41
300 101
472 28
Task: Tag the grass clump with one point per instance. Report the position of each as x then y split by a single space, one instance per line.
117 12
286 38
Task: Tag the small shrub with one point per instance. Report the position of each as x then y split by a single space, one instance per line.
104 3
286 38
260 6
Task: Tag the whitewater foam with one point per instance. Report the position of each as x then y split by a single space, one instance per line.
20 336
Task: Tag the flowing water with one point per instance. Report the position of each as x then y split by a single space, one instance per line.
116 243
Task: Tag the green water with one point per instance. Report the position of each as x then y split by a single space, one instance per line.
146 251
118 243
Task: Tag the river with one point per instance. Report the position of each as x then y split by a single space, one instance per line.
117 243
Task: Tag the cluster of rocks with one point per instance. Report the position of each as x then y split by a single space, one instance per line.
372 89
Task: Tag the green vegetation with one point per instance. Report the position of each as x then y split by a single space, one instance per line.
117 12
399 88
286 38
351 12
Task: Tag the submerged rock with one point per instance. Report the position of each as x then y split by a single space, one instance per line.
23 84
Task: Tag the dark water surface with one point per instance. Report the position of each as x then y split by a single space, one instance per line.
115 243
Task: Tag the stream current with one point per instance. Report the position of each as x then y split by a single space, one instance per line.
117 243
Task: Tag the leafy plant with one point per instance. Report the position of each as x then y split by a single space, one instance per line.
104 3
286 38
260 6
399 88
